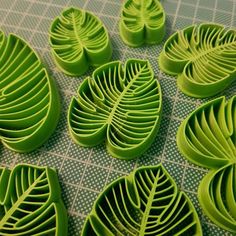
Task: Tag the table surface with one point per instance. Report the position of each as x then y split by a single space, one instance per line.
83 172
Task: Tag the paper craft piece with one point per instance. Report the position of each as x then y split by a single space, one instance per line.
121 105
146 202
142 21
207 137
29 101
79 39
202 57
30 202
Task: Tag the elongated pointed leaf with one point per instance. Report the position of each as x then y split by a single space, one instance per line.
31 202
203 57
142 22
29 102
79 39
147 202
120 105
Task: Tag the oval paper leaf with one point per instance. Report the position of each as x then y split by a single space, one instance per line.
79 39
31 203
217 196
121 105
147 202
29 102
207 137
142 22
203 57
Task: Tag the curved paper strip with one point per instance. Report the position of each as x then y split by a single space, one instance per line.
217 196
121 105
142 22
79 39
147 202
30 202
203 57
207 137
29 101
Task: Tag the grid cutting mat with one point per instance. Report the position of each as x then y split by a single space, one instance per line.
84 172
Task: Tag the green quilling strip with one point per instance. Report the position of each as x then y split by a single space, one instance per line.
121 105
30 202
203 57
79 39
208 138
146 203
29 101
142 21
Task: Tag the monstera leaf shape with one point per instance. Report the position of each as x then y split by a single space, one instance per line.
121 105
145 203
30 202
79 39
142 21
29 102
208 138
203 57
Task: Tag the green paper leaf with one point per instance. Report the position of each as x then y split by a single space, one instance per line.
29 102
79 39
142 22
203 58
207 137
121 105
30 202
147 202
217 196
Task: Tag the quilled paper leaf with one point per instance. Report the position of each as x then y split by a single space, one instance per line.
29 102
217 196
79 39
30 202
207 137
142 21
121 105
203 58
147 202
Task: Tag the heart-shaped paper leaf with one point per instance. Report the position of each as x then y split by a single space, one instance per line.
207 137
203 57
142 22
30 202
121 105
29 102
147 202
79 39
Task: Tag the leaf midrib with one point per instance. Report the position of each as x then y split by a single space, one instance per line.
207 52
148 206
80 42
19 201
143 13
117 103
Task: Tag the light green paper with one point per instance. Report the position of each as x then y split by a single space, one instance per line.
119 105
